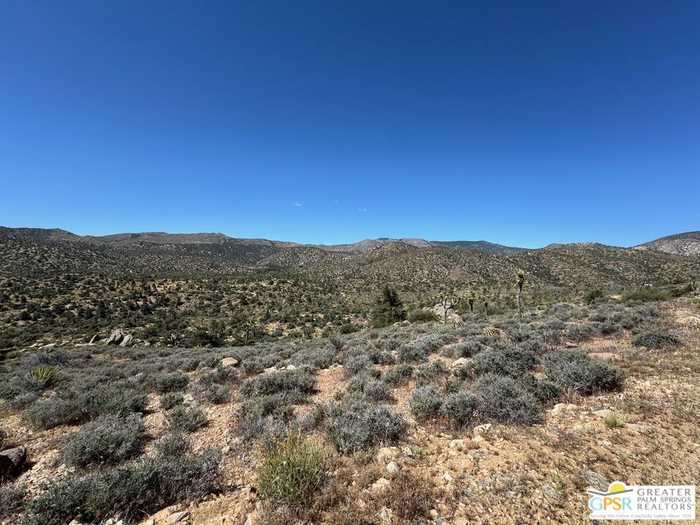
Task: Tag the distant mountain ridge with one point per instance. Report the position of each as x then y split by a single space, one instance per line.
687 243
163 238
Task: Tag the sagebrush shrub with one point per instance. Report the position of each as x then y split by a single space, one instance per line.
107 440
656 340
300 380
139 488
174 382
412 353
512 362
186 419
398 374
12 499
503 400
572 370
292 471
171 400
459 408
356 425
425 402
267 415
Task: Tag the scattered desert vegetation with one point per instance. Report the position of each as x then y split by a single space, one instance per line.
388 424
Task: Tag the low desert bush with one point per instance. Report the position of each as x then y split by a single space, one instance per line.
77 407
266 415
131 491
172 445
356 425
300 380
422 316
12 499
656 340
427 374
107 440
511 362
459 408
186 419
357 363
412 353
398 375
410 498
425 402
576 372
174 382
171 400
292 472
502 399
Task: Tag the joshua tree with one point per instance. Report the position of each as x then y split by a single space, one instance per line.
520 282
471 303
446 303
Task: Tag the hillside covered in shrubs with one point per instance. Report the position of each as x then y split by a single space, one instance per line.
381 425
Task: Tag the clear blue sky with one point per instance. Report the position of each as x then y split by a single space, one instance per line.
519 122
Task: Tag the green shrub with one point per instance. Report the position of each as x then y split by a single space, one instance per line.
399 374
544 390
593 295
77 407
412 353
356 425
292 471
503 400
173 445
215 394
107 440
576 372
12 499
656 340
356 364
131 491
422 316
427 374
300 380
511 362
174 382
580 332
425 402
267 415
459 408
171 400
388 309
186 419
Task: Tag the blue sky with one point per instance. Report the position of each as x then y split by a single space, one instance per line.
522 123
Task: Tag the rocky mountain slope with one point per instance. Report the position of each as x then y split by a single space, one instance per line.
680 244
209 288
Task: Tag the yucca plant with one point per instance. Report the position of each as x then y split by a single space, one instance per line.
42 376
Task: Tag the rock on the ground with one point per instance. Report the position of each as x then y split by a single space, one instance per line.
12 460
392 468
380 486
229 361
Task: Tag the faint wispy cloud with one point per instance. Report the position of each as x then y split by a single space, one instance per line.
297 204
362 210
